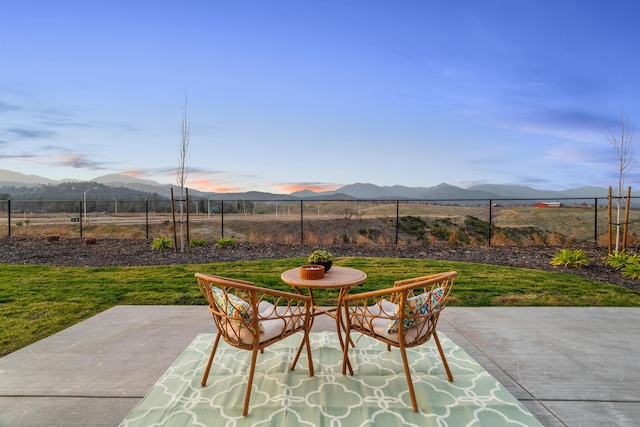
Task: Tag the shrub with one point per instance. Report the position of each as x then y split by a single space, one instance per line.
632 270
569 258
477 226
556 239
629 265
161 243
414 226
197 242
223 243
90 240
619 260
440 232
52 237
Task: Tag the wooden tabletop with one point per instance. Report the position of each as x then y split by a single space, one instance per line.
336 277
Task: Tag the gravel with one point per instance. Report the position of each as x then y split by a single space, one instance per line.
138 252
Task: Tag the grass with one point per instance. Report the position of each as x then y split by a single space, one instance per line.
38 301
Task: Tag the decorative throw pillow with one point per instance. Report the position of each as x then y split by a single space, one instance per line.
436 297
418 305
236 307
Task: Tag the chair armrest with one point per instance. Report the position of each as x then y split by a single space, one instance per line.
250 288
430 277
404 286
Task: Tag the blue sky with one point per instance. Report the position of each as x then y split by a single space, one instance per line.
285 95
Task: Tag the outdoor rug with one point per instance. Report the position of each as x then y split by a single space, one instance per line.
375 395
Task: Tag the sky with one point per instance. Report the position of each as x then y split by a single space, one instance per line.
285 95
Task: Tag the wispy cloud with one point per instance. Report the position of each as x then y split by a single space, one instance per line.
4 107
533 181
76 161
16 156
23 133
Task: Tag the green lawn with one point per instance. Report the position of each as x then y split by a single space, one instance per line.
37 301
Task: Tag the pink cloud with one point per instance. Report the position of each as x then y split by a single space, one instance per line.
209 186
291 188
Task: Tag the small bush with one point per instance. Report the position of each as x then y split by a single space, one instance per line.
90 240
161 243
619 260
477 226
632 270
52 237
629 265
197 242
569 258
223 243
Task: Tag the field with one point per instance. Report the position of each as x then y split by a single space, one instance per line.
325 222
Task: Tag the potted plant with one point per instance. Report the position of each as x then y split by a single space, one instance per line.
322 258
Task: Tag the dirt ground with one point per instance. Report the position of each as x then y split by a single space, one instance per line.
138 252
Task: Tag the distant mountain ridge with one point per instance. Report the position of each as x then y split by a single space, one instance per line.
362 191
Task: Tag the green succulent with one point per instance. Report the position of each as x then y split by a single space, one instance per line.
319 256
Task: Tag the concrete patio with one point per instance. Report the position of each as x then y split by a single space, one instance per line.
569 366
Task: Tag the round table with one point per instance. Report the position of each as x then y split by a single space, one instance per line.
343 278
336 277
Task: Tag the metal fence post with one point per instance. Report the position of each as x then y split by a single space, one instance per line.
9 217
397 220
490 220
301 223
595 222
81 218
222 219
146 215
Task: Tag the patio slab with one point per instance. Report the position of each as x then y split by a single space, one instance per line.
569 366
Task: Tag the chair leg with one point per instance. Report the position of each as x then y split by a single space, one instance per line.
213 353
303 343
309 358
343 324
295 359
407 372
252 369
346 363
444 359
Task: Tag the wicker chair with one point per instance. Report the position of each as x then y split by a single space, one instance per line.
402 316
252 318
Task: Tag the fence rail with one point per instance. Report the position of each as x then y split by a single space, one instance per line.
480 222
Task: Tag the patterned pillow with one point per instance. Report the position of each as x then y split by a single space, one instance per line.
418 305
436 297
236 307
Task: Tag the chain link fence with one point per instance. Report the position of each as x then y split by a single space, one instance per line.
499 222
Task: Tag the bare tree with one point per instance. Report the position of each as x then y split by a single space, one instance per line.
625 154
183 168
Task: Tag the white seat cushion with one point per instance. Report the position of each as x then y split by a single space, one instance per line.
271 322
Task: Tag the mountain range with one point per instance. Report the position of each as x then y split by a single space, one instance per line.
9 179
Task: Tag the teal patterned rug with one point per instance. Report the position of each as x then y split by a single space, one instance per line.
375 395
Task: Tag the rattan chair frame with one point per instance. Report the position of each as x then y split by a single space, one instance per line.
294 310
361 310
